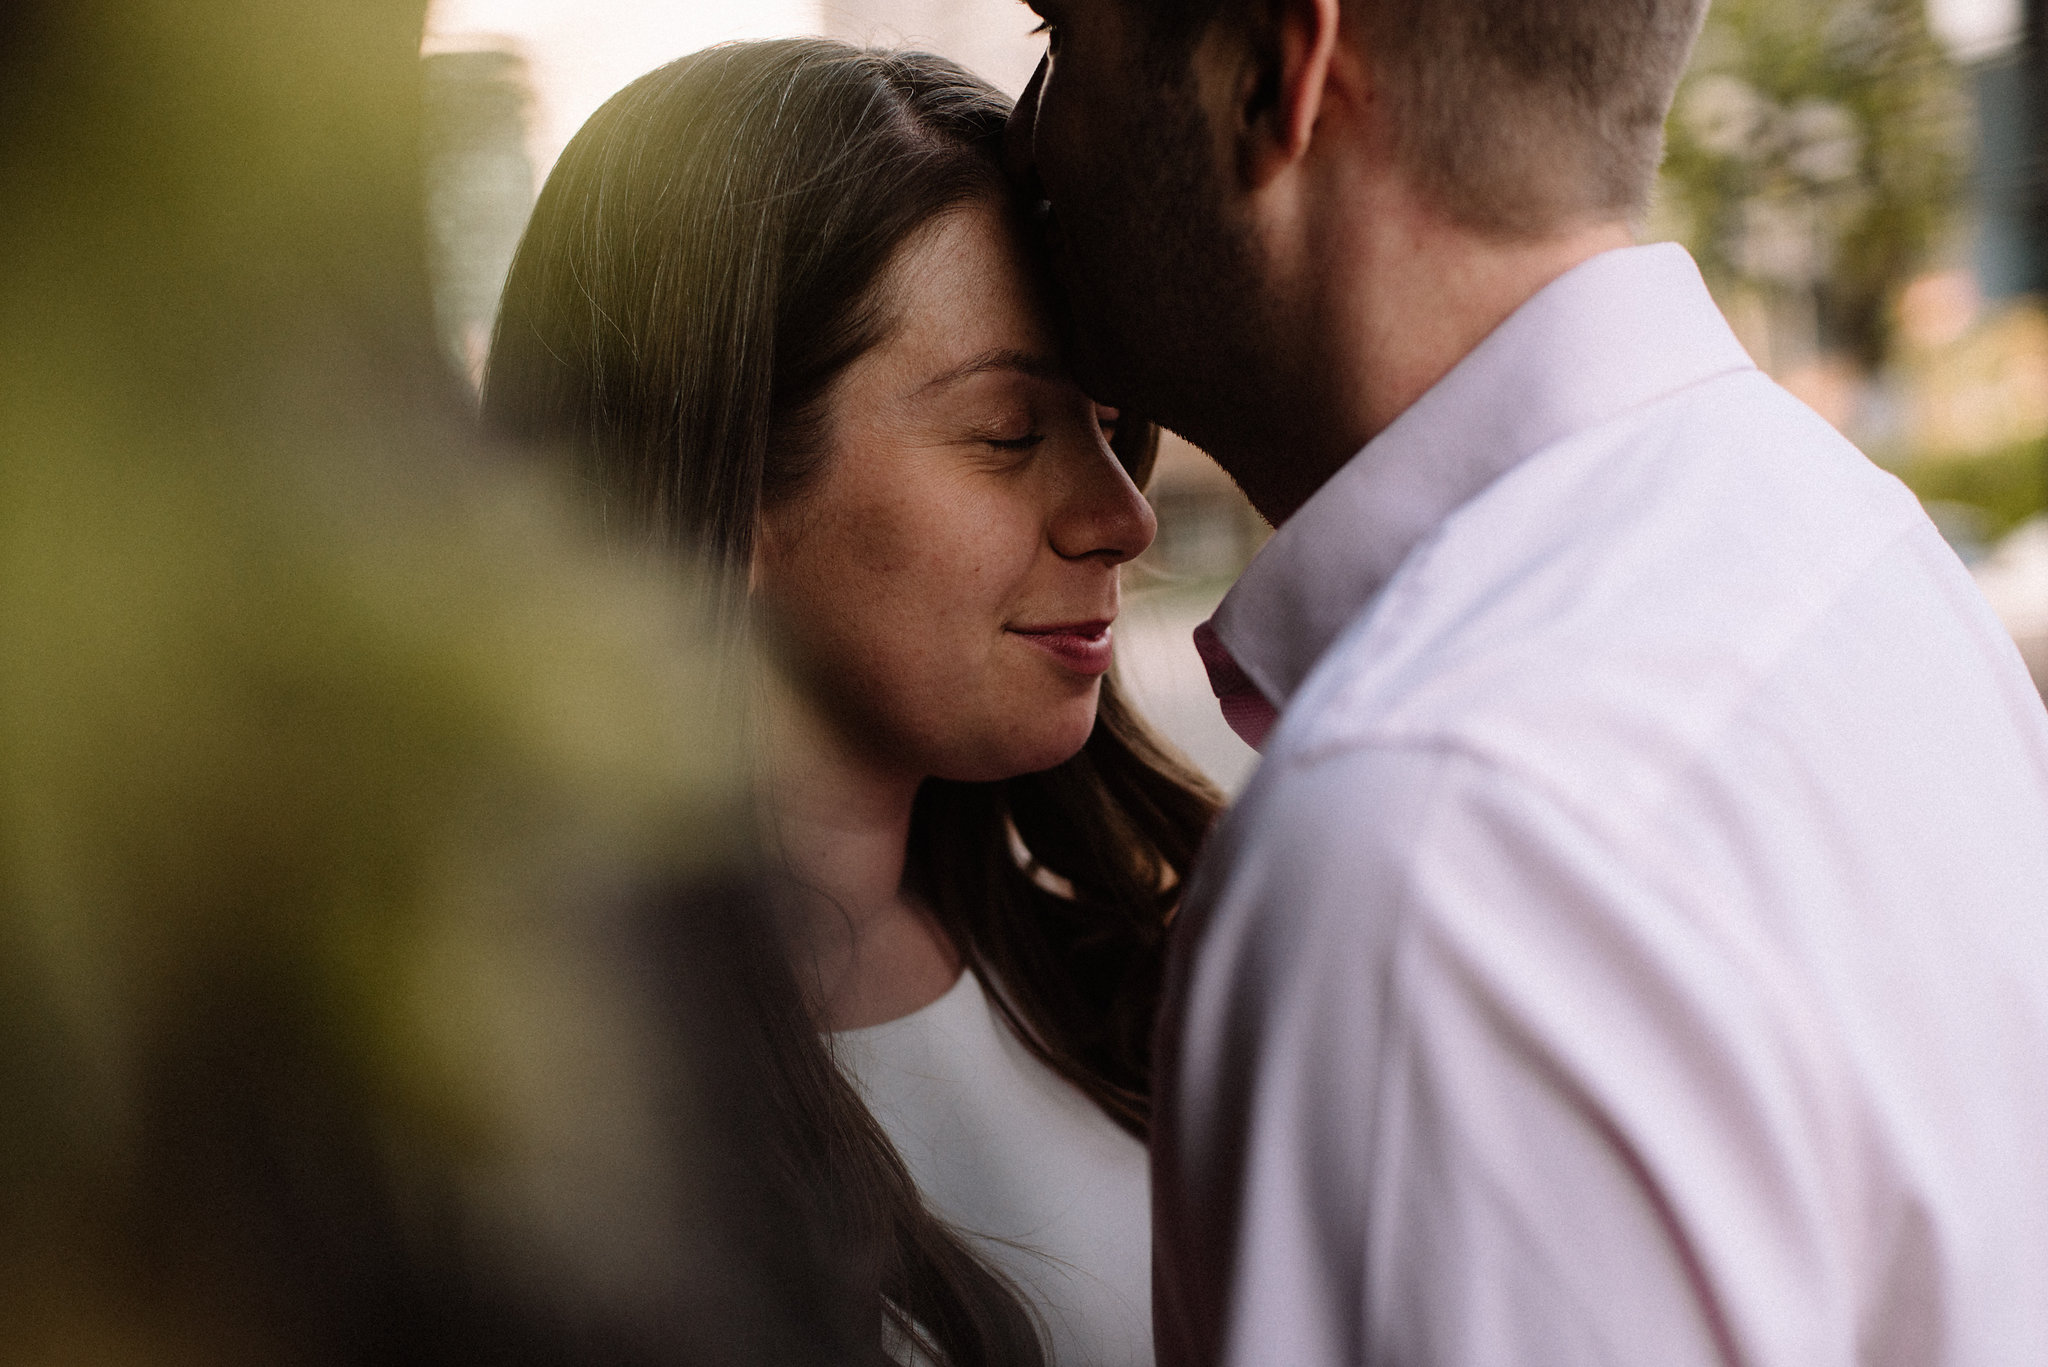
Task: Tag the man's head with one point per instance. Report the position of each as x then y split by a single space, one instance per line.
1514 116
1202 157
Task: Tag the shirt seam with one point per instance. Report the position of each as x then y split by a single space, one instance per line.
1521 779
1409 933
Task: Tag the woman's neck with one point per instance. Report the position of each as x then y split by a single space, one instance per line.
866 952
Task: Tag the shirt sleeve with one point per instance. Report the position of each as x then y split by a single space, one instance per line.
1447 1081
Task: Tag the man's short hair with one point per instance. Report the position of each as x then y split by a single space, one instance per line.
1517 117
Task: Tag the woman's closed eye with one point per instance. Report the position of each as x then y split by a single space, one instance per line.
1012 430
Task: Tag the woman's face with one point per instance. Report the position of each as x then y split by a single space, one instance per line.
946 584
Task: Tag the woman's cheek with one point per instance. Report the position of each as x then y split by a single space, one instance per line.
912 597
906 605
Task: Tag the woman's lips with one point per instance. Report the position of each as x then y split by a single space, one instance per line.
1083 647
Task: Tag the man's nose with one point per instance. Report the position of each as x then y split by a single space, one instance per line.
1018 161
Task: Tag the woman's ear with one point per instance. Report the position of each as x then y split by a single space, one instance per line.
1288 48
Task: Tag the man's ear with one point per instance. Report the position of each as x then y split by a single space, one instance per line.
1289 48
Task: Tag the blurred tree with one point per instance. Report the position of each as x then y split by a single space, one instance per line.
1815 151
382 976
2034 46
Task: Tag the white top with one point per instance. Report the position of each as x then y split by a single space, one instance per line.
1633 947
1046 1187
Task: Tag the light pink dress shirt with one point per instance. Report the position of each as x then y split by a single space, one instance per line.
1633 946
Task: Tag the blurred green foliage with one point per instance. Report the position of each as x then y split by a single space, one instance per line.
2006 486
1815 151
332 746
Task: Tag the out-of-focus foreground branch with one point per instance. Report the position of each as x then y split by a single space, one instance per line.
372 900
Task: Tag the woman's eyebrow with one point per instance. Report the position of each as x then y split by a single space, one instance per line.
1022 362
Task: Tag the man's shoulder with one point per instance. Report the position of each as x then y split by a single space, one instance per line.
1591 618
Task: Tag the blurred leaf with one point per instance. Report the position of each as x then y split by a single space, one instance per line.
1817 148
2007 486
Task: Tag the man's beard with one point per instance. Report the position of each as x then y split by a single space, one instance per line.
1160 290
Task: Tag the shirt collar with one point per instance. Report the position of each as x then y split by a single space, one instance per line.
1618 331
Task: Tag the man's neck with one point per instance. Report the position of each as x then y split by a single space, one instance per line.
1391 299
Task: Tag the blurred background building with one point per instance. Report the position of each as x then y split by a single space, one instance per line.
480 187
1864 182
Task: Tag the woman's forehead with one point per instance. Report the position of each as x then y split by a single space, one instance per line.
965 305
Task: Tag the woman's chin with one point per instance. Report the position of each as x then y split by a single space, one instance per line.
1020 750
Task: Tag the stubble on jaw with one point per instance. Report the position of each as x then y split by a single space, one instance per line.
1164 288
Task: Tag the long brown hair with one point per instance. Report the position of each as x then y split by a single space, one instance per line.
702 263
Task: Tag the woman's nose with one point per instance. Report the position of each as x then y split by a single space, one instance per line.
1101 515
